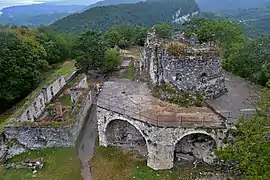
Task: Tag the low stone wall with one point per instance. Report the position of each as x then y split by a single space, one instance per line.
25 137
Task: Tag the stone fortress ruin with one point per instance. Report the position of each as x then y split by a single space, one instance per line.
52 116
165 133
186 65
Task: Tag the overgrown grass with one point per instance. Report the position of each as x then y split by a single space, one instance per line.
60 164
65 100
66 69
113 164
3 120
183 99
129 74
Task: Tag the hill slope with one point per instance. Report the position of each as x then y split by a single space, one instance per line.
113 2
217 5
33 15
145 13
254 20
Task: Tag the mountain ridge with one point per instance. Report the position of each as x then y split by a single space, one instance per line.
145 13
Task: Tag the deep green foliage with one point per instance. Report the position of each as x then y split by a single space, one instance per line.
244 57
55 45
254 21
91 52
88 50
164 30
249 150
125 35
19 67
25 55
111 60
252 60
147 13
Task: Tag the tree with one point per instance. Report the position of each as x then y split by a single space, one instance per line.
125 35
19 66
111 61
112 37
56 46
164 30
249 150
88 50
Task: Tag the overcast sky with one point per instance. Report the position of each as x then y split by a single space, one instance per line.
6 3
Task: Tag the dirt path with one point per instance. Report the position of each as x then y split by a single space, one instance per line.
86 143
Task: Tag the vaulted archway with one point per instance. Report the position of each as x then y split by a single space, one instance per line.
123 134
197 147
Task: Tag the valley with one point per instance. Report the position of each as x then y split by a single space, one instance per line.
146 90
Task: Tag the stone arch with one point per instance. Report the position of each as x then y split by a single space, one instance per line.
195 146
121 132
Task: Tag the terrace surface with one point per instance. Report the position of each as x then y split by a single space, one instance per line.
133 99
240 99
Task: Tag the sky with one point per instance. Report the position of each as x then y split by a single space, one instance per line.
7 3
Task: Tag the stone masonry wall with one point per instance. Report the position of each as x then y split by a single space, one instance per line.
45 136
160 141
204 75
37 106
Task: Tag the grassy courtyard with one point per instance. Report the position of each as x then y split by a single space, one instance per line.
113 164
60 164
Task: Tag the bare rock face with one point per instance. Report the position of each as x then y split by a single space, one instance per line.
196 69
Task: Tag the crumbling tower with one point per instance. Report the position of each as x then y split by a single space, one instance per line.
185 64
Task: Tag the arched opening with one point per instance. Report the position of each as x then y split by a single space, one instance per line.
203 77
194 148
52 94
28 115
122 134
35 107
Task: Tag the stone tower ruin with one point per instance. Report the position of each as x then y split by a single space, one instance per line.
195 68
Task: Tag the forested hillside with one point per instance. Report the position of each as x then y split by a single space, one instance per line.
218 5
145 13
113 2
25 55
255 21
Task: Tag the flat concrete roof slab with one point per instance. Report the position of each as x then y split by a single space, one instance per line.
134 99
240 99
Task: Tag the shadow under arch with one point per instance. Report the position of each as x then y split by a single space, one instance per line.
122 133
195 147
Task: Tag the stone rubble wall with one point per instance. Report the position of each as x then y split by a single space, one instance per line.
39 137
37 106
160 141
203 76
50 91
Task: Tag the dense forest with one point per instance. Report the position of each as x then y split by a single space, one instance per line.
27 54
255 21
219 5
245 57
145 13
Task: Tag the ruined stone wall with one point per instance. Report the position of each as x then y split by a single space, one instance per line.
203 75
37 137
160 141
37 106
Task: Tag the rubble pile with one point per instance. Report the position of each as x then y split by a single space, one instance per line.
33 165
